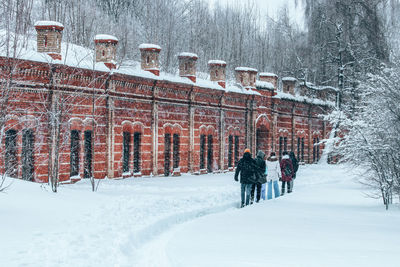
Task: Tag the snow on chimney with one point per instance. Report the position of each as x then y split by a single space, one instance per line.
217 71
246 77
187 65
106 48
288 85
150 58
269 77
49 36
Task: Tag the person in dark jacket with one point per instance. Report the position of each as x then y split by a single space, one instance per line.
260 175
287 172
295 164
246 167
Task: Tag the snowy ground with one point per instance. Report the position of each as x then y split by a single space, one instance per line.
194 221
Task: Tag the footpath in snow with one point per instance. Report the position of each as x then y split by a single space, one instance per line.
194 221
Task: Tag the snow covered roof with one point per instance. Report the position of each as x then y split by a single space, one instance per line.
150 47
315 101
217 62
48 23
268 74
105 37
289 79
84 58
265 85
245 69
188 55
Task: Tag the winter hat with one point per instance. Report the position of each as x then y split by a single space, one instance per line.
247 150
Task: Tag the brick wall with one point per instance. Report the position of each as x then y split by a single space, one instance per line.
109 105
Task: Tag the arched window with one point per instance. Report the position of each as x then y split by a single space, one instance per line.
75 151
236 149
230 151
11 153
176 157
137 137
88 154
126 151
202 151
167 154
27 155
210 152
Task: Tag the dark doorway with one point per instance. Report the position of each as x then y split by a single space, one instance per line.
74 165
27 155
167 154
202 151
236 150
137 138
262 139
230 151
87 173
175 152
11 153
127 151
210 153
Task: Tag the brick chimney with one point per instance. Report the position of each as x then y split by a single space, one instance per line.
106 47
187 65
269 77
49 36
288 85
150 58
217 71
246 77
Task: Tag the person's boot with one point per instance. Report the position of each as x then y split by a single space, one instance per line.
282 192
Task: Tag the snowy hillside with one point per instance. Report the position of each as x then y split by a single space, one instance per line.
194 221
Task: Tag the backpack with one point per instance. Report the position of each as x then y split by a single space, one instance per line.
287 170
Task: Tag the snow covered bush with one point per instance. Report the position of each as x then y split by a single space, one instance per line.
371 138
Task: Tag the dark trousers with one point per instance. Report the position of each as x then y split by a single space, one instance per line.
253 188
289 189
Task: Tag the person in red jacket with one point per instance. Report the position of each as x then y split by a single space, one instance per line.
287 172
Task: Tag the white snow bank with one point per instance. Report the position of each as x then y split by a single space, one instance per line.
326 221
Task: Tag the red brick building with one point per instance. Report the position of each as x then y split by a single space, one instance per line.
97 119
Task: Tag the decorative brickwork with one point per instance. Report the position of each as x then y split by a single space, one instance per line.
218 72
106 47
187 65
150 58
246 77
118 125
49 36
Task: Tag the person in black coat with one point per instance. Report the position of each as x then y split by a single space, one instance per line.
260 175
246 167
295 164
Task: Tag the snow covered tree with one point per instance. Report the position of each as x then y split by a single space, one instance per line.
372 134
14 27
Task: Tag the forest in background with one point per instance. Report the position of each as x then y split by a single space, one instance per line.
357 31
352 45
